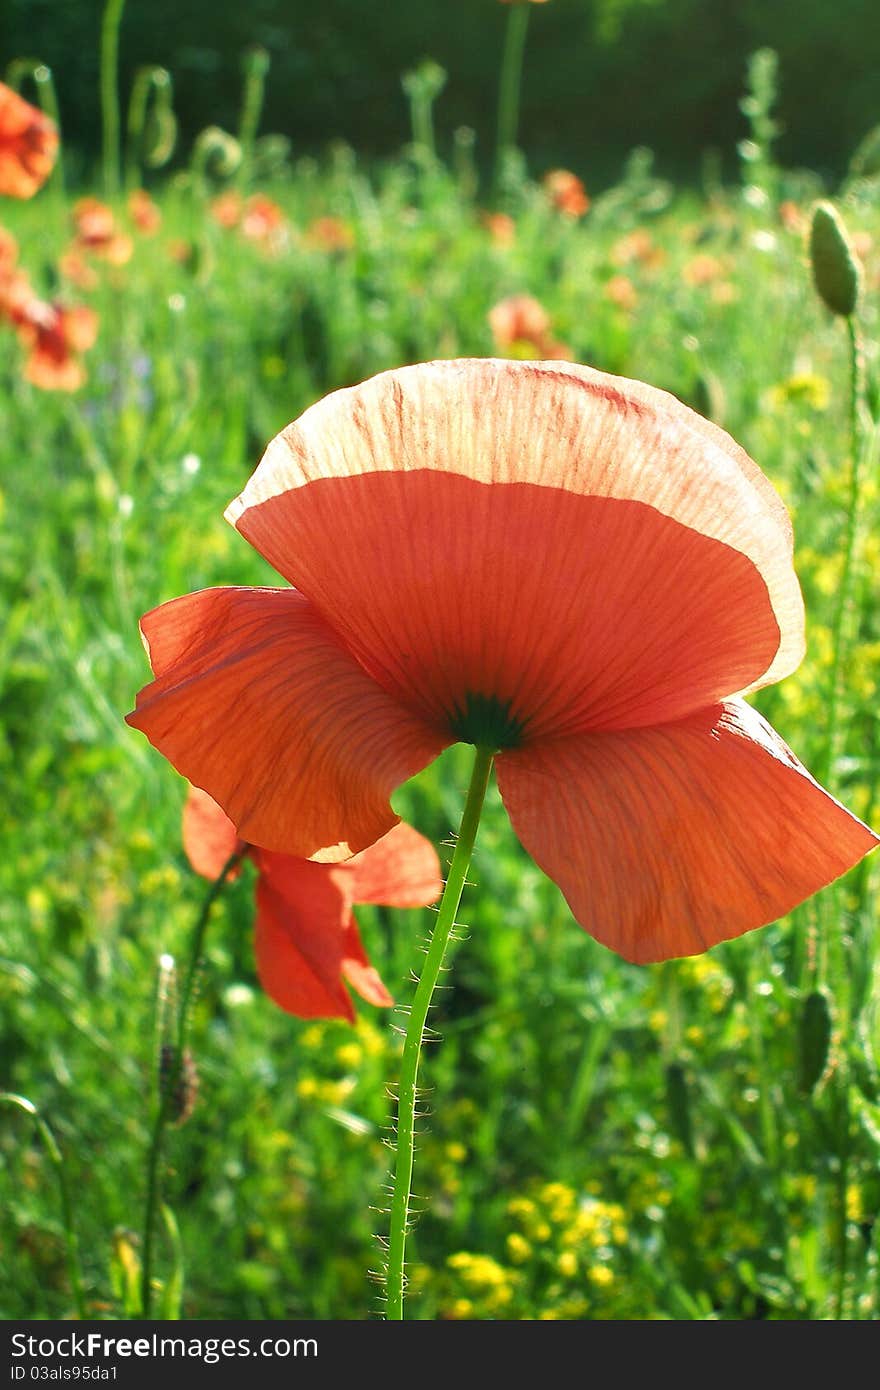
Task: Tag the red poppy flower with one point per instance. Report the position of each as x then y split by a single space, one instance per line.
566 192
8 252
28 145
16 293
55 336
262 219
226 208
521 326
74 266
330 234
572 569
500 226
97 234
145 214
307 940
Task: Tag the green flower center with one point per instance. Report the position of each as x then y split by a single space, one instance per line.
486 722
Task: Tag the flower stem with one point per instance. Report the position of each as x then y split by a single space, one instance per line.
170 1081
841 631
110 23
412 1047
510 82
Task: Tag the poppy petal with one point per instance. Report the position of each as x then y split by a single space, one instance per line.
668 840
28 145
584 550
400 870
256 701
306 940
360 974
209 837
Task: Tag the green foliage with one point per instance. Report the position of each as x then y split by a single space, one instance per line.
604 1140
335 71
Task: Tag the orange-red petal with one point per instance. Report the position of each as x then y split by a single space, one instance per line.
209 837
400 870
256 701
668 840
28 145
307 942
582 548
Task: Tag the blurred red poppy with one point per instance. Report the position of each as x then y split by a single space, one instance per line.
145 213
28 145
521 327
55 336
566 192
97 233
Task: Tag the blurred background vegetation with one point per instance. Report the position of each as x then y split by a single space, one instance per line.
697 1139
601 77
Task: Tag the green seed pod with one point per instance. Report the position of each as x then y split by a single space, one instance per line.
679 1104
814 1041
836 269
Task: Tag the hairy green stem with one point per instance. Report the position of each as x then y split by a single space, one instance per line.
110 23
412 1048
841 633
56 1158
510 82
170 1082
842 1235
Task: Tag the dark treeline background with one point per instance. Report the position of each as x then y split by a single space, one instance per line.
601 75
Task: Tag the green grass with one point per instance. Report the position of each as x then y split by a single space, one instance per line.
604 1141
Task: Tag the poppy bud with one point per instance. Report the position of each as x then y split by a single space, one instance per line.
836 270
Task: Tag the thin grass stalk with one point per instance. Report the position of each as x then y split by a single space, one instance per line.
401 1197
56 1158
171 1080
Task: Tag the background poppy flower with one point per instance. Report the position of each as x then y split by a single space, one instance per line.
96 232
521 325
262 219
307 941
28 145
566 192
226 208
55 336
569 568
146 214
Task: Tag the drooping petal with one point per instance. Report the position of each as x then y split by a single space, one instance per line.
582 549
209 837
256 701
307 942
400 870
668 840
360 974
